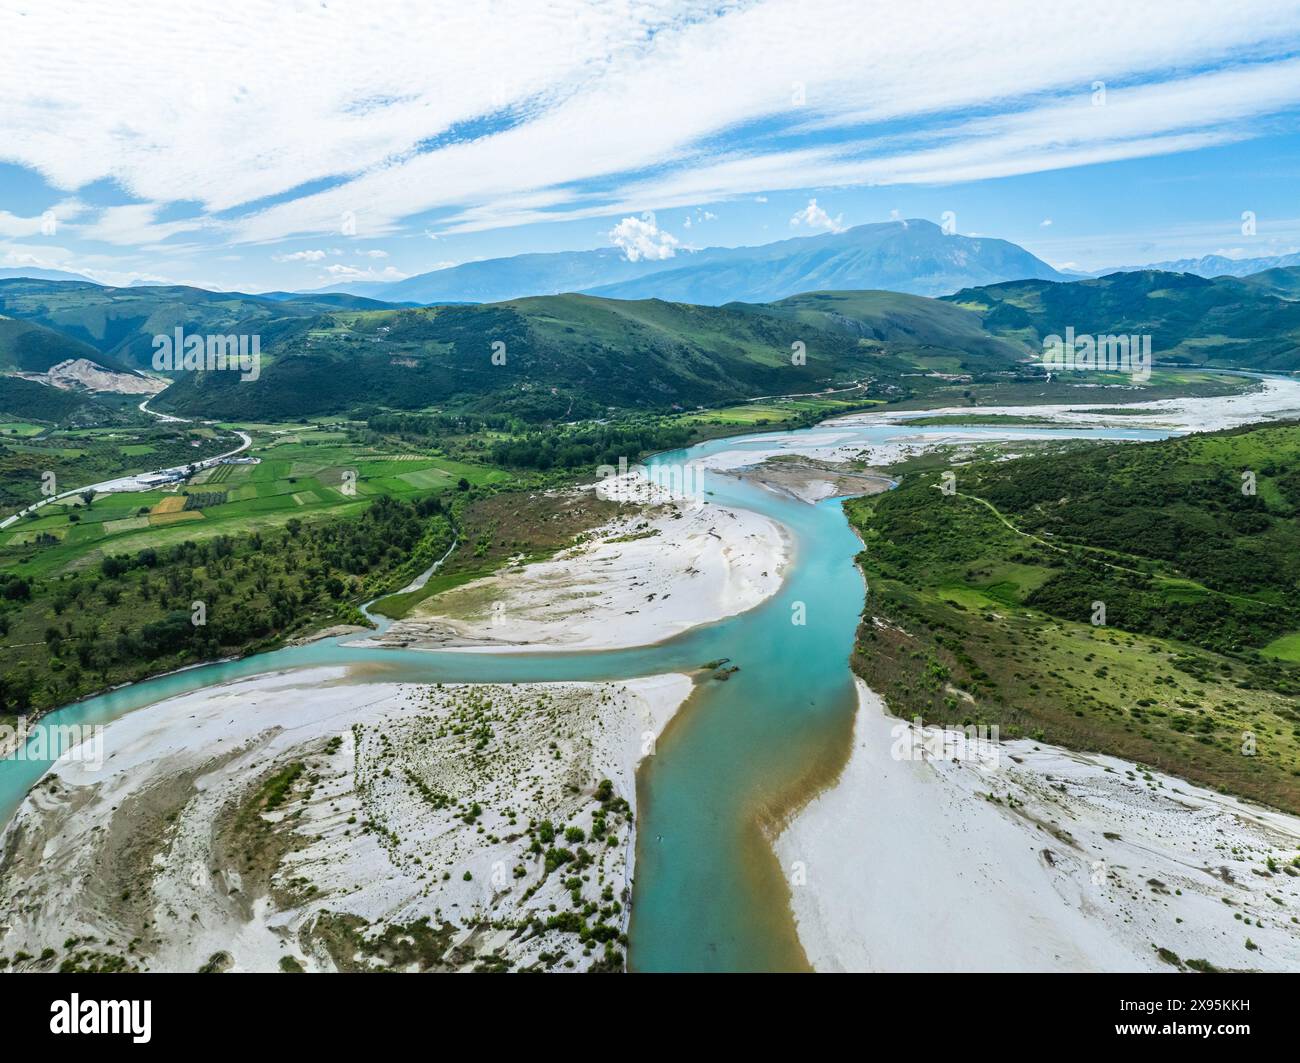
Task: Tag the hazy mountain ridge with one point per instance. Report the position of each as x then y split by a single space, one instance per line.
1209 266
913 256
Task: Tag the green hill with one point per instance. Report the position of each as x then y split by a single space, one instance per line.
120 323
1224 321
1128 598
30 348
1283 282
572 356
29 400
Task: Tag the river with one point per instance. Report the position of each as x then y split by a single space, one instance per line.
740 755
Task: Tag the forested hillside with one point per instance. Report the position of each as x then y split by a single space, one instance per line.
1129 597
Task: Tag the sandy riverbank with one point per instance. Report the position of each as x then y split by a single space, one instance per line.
1274 398
812 481
1077 862
670 566
302 820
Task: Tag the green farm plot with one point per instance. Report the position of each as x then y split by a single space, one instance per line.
1003 585
1286 648
125 524
89 533
426 478
773 411
300 475
20 429
966 597
220 473
32 534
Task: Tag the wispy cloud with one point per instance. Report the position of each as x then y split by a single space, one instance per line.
301 256
292 117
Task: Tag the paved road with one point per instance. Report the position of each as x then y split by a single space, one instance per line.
134 482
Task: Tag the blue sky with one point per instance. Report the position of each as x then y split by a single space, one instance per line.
260 145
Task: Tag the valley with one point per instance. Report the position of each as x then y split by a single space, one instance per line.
413 526
966 693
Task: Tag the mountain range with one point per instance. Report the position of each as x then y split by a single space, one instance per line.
571 356
120 323
1210 266
34 273
913 256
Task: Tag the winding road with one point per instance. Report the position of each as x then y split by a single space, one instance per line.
134 482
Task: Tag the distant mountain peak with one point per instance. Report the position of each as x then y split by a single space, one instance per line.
912 255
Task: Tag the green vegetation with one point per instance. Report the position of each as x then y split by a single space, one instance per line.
30 400
132 615
31 348
1223 321
92 455
500 528
117 325
983 604
569 357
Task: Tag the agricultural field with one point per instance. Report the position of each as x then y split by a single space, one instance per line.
777 412
265 535
301 473
20 429
73 457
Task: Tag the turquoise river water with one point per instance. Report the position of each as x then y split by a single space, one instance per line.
708 892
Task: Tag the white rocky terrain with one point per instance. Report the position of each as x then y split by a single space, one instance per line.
302 821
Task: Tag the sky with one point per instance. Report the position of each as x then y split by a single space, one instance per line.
294 144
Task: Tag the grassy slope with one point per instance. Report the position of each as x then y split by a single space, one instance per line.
571 356
566 357
1223 321
31 348
969 620
120 323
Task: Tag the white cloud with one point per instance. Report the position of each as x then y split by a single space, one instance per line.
815 218
44 224
12 225
1045 223
376 253
639 97
136 224
641 238
97 267
300 256
338 271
